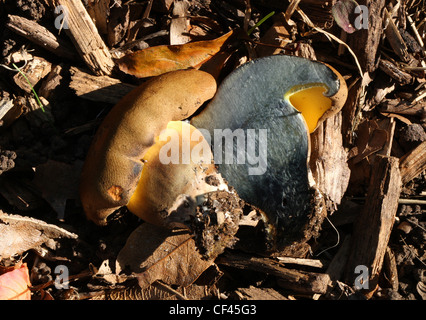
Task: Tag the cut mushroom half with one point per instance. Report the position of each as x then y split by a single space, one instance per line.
259 121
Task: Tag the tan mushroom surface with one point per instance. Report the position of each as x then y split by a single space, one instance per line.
114 161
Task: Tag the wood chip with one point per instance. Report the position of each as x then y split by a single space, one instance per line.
35 70
300 281
82 30
303 262
99 11
98 88
393 71
276 35
365 42
413 163
328 160
39 35
52 81
374 224
179 27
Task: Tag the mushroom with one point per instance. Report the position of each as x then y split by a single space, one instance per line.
114 162
270 105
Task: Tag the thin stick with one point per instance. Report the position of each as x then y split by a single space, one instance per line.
337 242
417 35
291 8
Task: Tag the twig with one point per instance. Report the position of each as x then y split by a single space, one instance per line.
147 10
300 261
419 97
337 242
290 10
418 37
400 201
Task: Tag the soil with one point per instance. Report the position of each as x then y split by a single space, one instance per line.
28 141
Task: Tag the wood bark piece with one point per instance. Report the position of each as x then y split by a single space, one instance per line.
277 35
336 268
393 71
99 11
413 163
98 88
35 70
52 81
82 30
403 107
365 42
179 26
39 35
301 282
328 160
373 227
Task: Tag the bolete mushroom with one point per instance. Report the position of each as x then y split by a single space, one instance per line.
270 105
114 162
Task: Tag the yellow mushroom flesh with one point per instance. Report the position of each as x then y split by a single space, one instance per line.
311 102
174 174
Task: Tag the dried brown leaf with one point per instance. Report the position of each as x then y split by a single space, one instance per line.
155 253
370 139
157 60
19 234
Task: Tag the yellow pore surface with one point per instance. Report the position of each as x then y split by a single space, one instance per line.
312 103
160 179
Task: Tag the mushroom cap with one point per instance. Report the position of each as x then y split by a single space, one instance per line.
253 97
